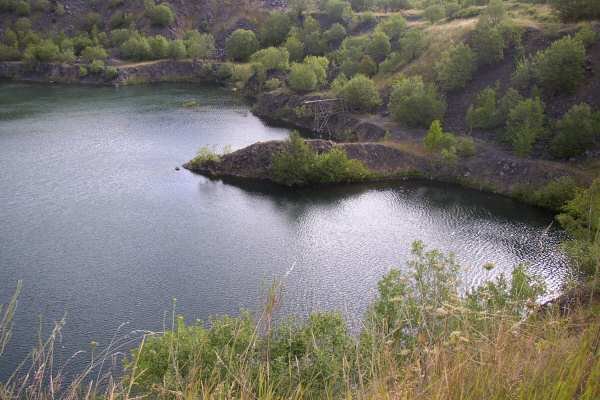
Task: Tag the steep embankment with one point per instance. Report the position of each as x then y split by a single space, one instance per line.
489 170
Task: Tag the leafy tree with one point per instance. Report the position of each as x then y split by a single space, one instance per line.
413 44
295 48
161 15
302 78
159 47
379 46
434 13
136 48
90 54
119 36
361 94
393 26
367 66
23 8
436 139
275 29
573 10
199 45
272 58
586 35
488 42
561 66
338 10
241 44
576 132
335 35
315 44
455 67
525 124
362 5
483 113
43 52
319 66
416 103
177 49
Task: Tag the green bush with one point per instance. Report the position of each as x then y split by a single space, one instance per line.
525 124
576 132
455 67
335 35
159 47
570 10
393 26
586 35
367 67
119 36
121 19
96 67
90 54
338 10
135 48
199 45
561 66
554 195
272 58
581 220
319 66
361 94
295 49
272 84
241 44
436 139
379 46
488 42
300 165
302 78
111 73
161 15
23 8
413 44
43 52
434 13
83 71
9 53
275 29
484 113
416 103
177 49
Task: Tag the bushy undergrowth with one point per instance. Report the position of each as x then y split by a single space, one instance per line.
299 165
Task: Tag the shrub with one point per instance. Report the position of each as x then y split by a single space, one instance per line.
225 71
295 49
319 66
111 73
338 10
241 44
96 67
586 35
119 36
302 78
272 84
159 47
335 35
393 26
554 195
161 15
570 10
483 113
488 42
416 103
135 48
361 94
23 8
455 67
436 139
177 50
272 58
83 71
434 13
561 66
199 45
299 165
90 54
121 19
581 220
315 44
525 123
275 29
413 44
43 52
576 132
379 46
367 66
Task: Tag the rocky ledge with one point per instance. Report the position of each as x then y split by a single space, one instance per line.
485 171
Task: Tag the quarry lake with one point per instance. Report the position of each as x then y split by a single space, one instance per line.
100 227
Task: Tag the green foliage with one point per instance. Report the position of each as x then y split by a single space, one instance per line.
302 78
335 35
361 94
9 53
338 10
272 58
23 8
484 113
295 49
199 45
455 67
272 84
299 165
159 47
111 72
416 103
447 145
119 36
576 132
367 67
379 46
96 67
525 124
135 48
586 35
44 52
319 66
561 66
394 27
121 19
434 13
161 15
554 195
241 44
573 10
83 71
581 220
177 49
275 29
90 54
488 42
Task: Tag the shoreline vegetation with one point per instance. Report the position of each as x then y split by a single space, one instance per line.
421 339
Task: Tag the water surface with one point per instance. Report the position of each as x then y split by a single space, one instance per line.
98 224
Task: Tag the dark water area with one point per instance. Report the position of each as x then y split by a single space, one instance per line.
100 227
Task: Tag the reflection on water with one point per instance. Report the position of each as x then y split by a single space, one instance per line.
98 224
